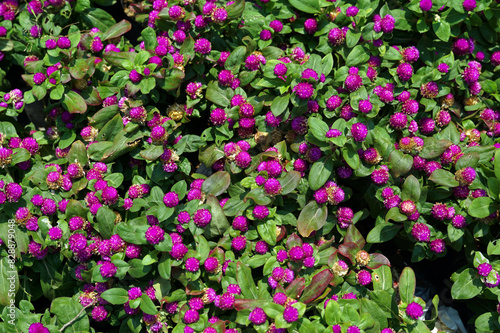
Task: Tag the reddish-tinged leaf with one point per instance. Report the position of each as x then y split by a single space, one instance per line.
295 288
74 103
217 183
353 235
282 233
242 304
318 284
117 30
349 250
293 240
311 218
377 260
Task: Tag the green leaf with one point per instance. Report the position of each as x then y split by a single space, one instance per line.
66 310
467 160
246 281
351 156
106 221
267 230
467 285
78 153
280 104
400 162
442 30
494 247
352 38
383 232
20 155
443 177
236 58
407 284
115 296
152 153
332 313
393 54
217 183
147 305
117 30
217 95
411 189
496 163
311 218
482 207
487 322
357 56
8 277
307 6
96 17
382 278
111 129
375 311
173 79
290 181
318 284
318 128
434 148
320 172
6 45
74 103
219 223
235 9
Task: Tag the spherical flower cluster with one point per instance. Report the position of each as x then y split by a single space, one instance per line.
257 316
421 232
359 131
155 234
202 217
404 71
290 314
304 90
414 310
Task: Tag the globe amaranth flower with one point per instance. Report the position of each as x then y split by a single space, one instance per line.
336 36
437 245
304 90
290 314
484 269
108 269
202 217
425 5
469 5
260 212
239 243
364 277
398 121
202 46
310 26
421 232
353 82
495 58
276 25
257 316
465 176
429 90
359 131
155 234
404 71
414 310
380 175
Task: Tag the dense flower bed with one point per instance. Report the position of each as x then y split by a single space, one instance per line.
232 169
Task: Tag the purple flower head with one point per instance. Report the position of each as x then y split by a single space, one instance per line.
414 310
421 232
425 5
310 26
352 11
304 90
